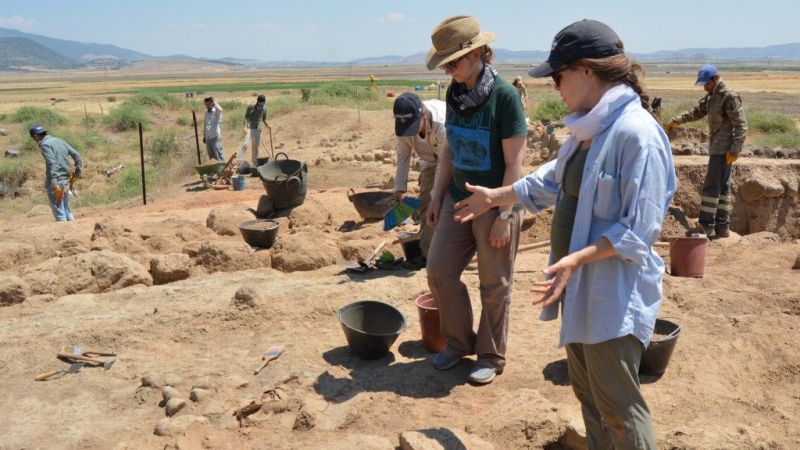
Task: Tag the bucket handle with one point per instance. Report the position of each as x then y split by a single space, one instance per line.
350 194
286 179
294 180
677 330
281 153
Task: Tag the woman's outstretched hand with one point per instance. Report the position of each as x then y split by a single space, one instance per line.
550 290
481 200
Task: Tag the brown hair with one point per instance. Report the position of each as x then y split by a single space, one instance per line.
618 68
487 54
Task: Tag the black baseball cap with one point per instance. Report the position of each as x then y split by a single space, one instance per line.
583 39
407 114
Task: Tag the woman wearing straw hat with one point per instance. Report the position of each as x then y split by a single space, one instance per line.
611 184
486 134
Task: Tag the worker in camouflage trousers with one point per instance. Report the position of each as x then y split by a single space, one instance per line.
727 128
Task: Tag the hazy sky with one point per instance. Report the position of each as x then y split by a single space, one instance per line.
319 30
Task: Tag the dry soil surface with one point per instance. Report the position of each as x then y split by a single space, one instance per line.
733 381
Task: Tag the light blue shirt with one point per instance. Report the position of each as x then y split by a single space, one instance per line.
628 183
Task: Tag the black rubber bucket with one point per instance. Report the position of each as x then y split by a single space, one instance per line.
370 327
259 233
656 357
411 249
372 204
285 180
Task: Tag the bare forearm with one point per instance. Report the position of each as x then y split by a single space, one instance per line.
600 249
506 196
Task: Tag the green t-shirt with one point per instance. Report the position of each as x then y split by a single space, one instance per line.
475 140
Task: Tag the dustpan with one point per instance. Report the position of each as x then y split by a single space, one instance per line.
400 212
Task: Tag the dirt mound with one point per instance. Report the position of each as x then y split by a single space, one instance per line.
12 290
305 250
14 253
765 194
225 220
170 267
91 272
225 256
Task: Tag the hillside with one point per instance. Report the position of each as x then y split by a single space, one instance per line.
22 52
78 51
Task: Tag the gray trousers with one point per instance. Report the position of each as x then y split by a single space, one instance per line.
214 149
605 378
452 247
255 143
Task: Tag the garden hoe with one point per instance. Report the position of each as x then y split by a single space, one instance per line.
47 376
269 355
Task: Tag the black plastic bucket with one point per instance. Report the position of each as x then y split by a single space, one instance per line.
285 180
259 233
411 249
656 357
371 327
372 204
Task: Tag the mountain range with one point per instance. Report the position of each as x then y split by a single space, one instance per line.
26 51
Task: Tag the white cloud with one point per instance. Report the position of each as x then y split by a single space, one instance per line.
393 17
18 23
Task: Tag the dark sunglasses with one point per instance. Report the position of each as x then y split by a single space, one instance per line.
556 76
454 63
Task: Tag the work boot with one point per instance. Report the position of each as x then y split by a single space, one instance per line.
415 264
708 230
722 230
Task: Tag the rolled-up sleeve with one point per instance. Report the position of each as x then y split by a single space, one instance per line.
538 190
647 184
404 148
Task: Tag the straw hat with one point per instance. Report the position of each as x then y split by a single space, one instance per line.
454 37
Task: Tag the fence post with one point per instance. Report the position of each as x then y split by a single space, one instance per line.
141 157
196 138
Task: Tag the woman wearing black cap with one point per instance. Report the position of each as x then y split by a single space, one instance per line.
611 184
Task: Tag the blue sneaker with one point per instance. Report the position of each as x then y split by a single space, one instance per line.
482 373
443 361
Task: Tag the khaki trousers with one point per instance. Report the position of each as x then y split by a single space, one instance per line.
452 247
605 379
426 178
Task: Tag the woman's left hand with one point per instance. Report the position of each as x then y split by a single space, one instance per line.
500 234
551 290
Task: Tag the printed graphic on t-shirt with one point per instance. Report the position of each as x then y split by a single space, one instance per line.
469 148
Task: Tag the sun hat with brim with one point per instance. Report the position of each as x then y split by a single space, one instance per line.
455 37
583 39
705 74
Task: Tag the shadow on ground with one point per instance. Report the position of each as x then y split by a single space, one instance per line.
416 379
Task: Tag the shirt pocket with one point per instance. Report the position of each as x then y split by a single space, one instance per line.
607 199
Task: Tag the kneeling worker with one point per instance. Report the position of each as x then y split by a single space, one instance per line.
419 127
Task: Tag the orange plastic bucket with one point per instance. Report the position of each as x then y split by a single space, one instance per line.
429 323
687 256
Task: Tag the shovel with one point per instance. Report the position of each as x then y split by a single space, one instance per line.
269 355
47 376
86 360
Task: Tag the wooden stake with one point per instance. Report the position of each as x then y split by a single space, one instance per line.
141 157
196 137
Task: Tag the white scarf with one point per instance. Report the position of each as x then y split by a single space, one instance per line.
584 126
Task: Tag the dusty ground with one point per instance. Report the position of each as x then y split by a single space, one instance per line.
732 383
